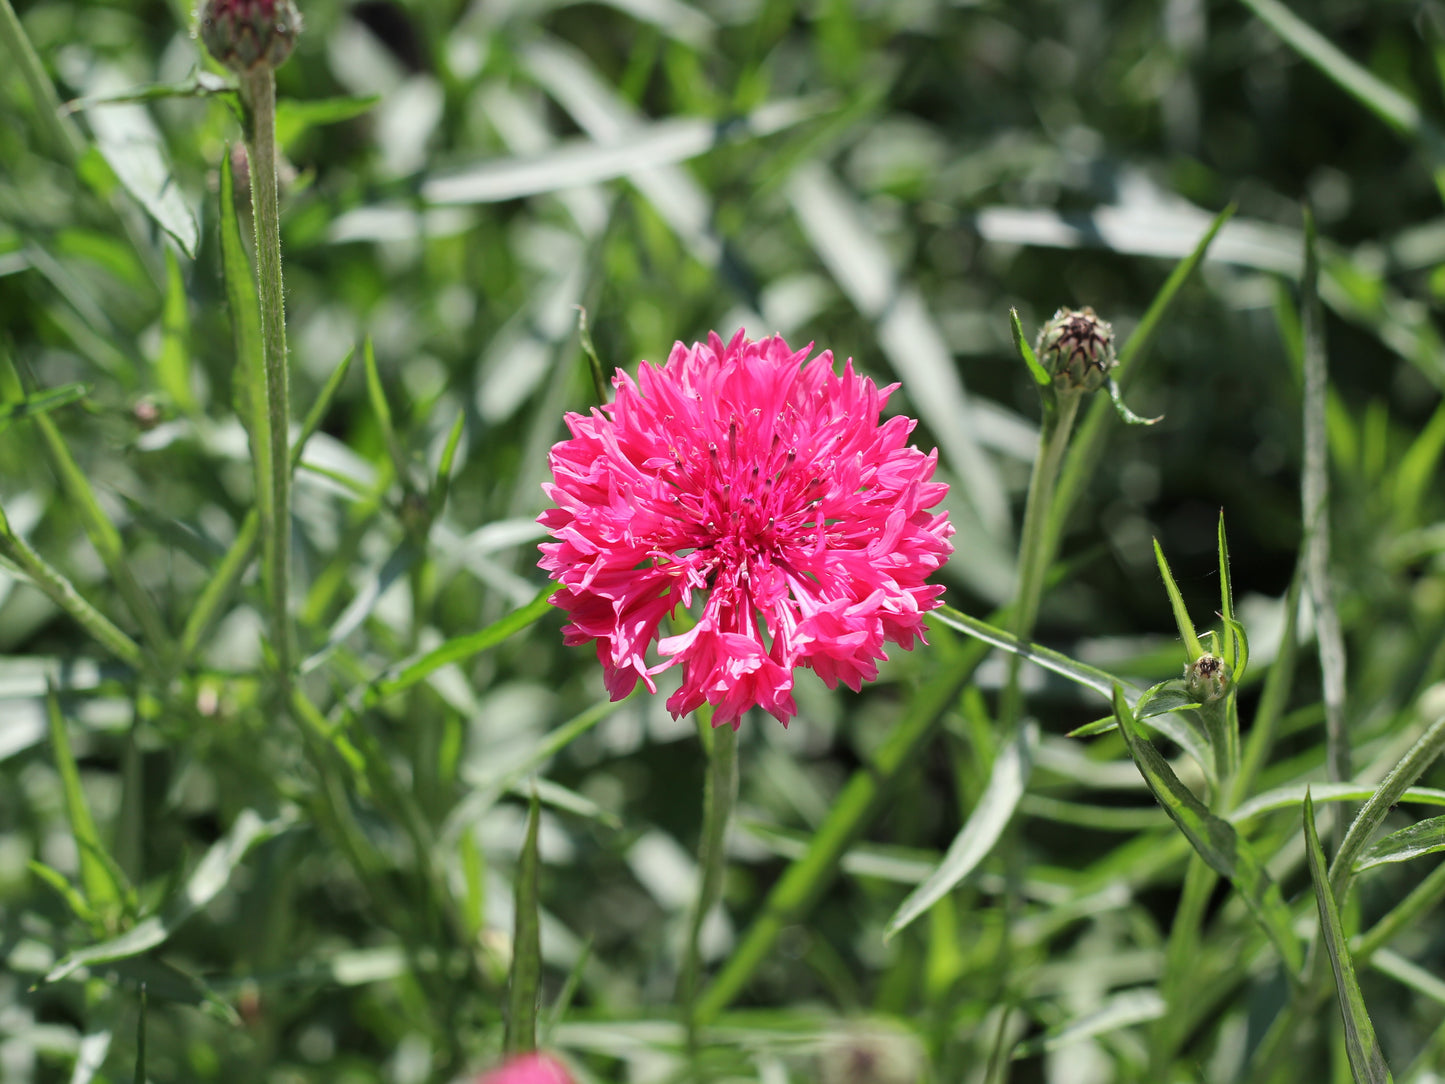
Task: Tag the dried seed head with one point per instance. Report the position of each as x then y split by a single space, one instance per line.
1207 678
1077 348
247 34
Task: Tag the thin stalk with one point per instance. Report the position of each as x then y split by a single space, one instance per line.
59 128
259 88
63 593
1035 553
719 794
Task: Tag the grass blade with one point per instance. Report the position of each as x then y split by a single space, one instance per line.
1214 839
1232 643
1006 784
376 394
1366 1062
140 1039
526 979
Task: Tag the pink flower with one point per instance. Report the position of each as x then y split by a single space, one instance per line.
528 1069
769 487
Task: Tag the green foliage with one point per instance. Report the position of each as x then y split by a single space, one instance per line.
440 839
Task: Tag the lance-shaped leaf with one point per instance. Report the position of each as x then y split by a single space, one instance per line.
980 832
1366 1062
1214 839
40 403
205 883
526 979
105 890
1176 602
1021 344
1424 837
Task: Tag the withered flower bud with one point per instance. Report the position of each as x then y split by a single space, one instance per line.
248 34
1077 349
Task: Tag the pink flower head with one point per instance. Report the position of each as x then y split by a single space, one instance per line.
770 485
528 1069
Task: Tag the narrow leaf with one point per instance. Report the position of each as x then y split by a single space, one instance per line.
66 891
140 1039
995 808
1423 837
526 978
443 481
40 403
294 117
1272 801
1120 1011
1176 602
379 406
461 647
1214 839
134 150
1372 814
1021 344
1226 596
173 366
1366 1061
210 876
1127 416
103 895
250 379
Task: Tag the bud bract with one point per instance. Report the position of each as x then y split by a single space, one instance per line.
1077 349
248 34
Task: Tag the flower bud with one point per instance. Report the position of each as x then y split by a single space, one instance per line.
870 1053
1207 678
1077 349
247 34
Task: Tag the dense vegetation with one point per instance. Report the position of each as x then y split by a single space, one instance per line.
206 877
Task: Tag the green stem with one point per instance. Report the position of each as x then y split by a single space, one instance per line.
63 593
59 128
1035 552
259 88
719 794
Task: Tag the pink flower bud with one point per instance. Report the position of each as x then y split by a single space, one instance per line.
247 34
528 1069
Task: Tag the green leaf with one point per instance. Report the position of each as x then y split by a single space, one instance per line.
443 481
1423 837
320 407
66 891
1123 1010
1273 801
459 648
103 893
1372 814
1021 344
1214 839
140 1039
135 152
379 406
1226 600
1006 784
293 117
1176 602
210 876
1366 1062
40 403
1127 416
173 366
526 979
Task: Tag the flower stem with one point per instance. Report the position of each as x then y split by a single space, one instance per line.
719 794
1034 550
259 88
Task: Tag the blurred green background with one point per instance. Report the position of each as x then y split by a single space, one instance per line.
884 178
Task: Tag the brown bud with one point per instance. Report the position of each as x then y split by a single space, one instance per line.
247 34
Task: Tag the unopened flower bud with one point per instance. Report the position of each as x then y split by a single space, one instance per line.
247 34
1077 349
1207 678
870 1054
